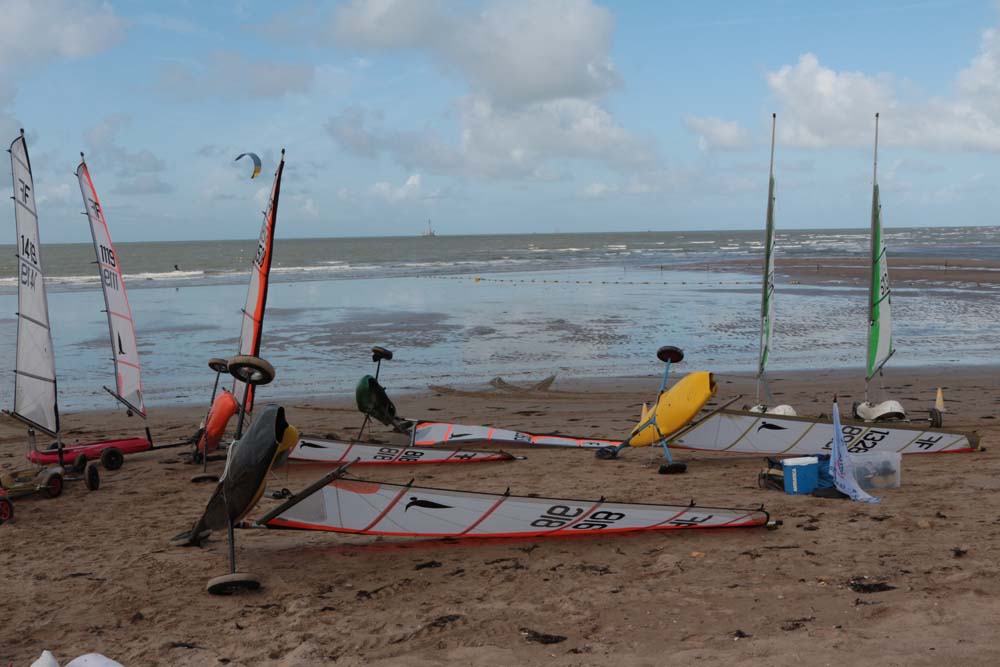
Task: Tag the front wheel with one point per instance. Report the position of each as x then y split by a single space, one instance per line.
53 485
6 510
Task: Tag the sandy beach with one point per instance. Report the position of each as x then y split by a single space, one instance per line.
93 571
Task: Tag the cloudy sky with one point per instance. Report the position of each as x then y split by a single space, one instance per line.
502 115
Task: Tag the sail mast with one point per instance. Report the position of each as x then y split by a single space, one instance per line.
880 347
35 392
253 309
767 288
124 346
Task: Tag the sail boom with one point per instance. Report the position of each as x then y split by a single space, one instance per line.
31 423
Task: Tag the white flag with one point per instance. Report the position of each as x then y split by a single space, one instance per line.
841 466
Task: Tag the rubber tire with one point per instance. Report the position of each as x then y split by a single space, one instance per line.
381 353
228 584
936 418
674 355
251 370
200 477
6 510
218 365
673 468
92 477
112 459
54 485
79 463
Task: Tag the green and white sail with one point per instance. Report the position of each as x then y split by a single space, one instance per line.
767 291
879 294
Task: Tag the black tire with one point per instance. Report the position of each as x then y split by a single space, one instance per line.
79 463
92 477
936 418
606 453
228 584
112 458
673 468
53 485
674 355
251 370
380 353
218 365
6 510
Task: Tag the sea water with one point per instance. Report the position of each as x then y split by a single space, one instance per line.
462 310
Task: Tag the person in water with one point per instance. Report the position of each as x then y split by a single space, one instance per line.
176 268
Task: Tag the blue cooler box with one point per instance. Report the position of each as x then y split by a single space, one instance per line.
801 474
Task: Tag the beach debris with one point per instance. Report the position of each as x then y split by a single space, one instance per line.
543 385
541 637
958 552
862 585
796 623
429 564
739 634
256 163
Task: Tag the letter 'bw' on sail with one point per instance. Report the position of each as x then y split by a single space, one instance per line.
125 349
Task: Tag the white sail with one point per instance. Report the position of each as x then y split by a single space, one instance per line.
35 375
767 290
376 508
741 432
124 347
332 452
879 295
431 434
253 309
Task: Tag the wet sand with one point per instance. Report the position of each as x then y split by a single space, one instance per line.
903 271
93 571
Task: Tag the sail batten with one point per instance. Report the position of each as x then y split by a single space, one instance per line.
251 328
35 389
121 327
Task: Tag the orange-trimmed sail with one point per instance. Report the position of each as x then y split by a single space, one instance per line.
253 309
124 346
377 508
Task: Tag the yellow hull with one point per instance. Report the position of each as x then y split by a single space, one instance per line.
674 410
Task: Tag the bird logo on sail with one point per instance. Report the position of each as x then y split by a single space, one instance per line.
770 427
426 504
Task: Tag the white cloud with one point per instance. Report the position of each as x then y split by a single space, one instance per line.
534 101
821 108
717 133
507 50
411 189
35 30
230 75
526 143
137 171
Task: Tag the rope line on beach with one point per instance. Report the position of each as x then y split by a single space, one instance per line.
706 283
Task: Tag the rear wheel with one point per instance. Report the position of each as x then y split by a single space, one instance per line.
228 584
53 485
6 510
112 458
936 418
251 370
92 477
